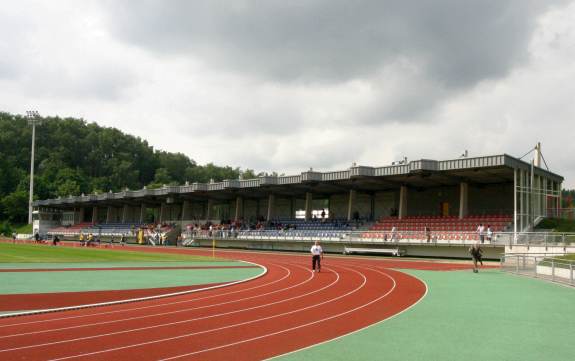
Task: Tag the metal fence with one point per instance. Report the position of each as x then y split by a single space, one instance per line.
545 266
374 237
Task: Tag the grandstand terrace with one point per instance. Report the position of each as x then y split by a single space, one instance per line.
448 196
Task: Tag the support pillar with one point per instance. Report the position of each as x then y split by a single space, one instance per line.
531 198
239 209
521 198
94 215
185 207
209 206
271 207
142 212
82 214
125 211
308 205
109 215
402 202
515 204
463 198
162 212
559 190
350 203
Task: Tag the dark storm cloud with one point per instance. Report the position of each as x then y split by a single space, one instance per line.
457 43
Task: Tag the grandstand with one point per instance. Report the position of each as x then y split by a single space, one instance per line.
450 197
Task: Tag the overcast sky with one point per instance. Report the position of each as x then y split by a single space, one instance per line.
288 85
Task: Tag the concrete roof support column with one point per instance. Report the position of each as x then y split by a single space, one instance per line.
308 205
94 215
463 198
545 197
185 211
109 214
162 212
350 203
125 210
515 204
209 209
142 212
521 198
271 207
559 190
239 209
402 202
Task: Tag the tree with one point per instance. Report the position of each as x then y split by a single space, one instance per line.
15 206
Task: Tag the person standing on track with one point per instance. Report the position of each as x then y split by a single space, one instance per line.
317 255
476 255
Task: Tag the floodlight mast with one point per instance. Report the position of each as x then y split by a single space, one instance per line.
33 118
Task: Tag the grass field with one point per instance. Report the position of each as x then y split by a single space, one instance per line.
31 253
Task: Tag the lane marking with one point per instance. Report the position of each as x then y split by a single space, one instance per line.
363 328
170 323
228 326
151 306
288 329
164 313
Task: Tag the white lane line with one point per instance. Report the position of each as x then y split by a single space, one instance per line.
291 328
165 313
131 300
168 303
363 328
170 323
228 326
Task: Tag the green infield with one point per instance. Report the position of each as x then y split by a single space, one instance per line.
33 253
40 268
465 316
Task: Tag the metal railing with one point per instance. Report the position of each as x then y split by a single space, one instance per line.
346 236
545 266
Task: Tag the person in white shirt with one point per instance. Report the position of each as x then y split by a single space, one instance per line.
317 255
489 233
481 231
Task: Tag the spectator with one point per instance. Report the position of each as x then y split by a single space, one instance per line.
393 234
481 232
489 233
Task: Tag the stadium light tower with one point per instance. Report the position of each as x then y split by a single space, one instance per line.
33 119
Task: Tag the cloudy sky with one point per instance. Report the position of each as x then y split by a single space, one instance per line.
286 85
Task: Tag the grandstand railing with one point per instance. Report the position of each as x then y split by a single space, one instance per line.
543 266
383 237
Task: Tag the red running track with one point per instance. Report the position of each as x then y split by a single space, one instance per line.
287 309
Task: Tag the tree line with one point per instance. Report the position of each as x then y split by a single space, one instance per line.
75 157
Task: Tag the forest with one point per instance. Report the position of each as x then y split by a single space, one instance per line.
74 157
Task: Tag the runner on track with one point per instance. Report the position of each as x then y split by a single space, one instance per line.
476 254
317 255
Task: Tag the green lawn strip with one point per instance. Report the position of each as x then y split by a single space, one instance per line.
467 316
18 253
8 266
70 281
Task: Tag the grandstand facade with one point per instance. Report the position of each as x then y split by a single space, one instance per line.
457 192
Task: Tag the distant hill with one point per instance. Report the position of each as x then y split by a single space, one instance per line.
75 157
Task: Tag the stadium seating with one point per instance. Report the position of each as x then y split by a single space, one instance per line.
441 228
69 230
112 229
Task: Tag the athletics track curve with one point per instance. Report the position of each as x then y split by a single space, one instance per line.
287 309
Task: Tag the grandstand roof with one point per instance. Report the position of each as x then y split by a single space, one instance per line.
421 173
